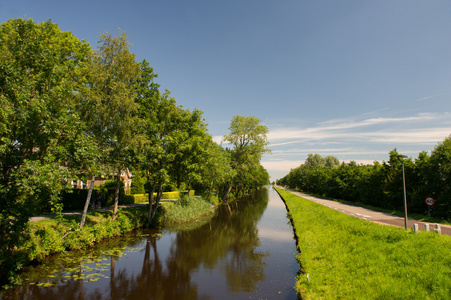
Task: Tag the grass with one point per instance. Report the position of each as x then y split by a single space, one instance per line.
185 210
348 258
416 216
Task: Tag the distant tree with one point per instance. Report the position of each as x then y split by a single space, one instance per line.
441 180
315 161
248 138
191 152
216 168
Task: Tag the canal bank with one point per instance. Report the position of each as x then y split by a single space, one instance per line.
343 257
244 252
48 235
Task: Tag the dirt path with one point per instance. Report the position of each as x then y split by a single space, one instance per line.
371 215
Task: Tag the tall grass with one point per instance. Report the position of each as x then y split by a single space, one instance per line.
186 209
349 258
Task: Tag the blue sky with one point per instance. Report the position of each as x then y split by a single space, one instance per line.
352 79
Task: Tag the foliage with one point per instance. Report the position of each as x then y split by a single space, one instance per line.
346 257
108 103
248 138
139 181
172 148
40 69
381 185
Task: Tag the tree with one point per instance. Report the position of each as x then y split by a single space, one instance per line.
191 152
109 105
216 168
441 180
248 138
40 69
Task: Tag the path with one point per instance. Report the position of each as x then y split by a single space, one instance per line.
371 215
51 216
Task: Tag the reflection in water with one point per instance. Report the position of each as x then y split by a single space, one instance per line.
246 251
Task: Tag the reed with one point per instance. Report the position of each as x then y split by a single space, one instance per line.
185 210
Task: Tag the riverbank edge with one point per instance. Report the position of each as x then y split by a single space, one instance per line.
347 257
299 291
55 235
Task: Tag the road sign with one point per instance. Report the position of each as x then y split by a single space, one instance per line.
429 201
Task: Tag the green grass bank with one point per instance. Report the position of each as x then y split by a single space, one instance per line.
342 257
56 235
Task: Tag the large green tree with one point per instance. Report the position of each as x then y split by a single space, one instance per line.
40 70
109 106
248 139
171 140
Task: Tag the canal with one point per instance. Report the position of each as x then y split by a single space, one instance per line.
246 251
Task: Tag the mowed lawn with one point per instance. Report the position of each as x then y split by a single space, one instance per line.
342 257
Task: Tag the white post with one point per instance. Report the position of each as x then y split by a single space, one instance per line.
426 227
437 228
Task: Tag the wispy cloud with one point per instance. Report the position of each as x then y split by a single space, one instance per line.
427 98
371 130
363 140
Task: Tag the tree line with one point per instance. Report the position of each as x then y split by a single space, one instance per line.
381 184
70 112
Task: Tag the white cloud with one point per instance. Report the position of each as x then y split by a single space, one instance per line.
217 139
281 165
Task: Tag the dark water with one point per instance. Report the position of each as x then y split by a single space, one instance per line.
244 252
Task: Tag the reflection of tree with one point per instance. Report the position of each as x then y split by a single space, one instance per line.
155 281
230 239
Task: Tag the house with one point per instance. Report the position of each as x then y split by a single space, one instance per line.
126 177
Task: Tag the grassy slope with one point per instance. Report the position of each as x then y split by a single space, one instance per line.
349 258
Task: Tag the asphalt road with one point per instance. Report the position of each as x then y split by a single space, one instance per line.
371 215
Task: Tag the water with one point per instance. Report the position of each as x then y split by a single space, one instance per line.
246 251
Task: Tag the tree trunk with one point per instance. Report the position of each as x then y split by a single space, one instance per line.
88 199
226 194
157 202
210 190
149 215
116 195
189 187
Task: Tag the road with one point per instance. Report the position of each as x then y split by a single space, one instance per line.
371 215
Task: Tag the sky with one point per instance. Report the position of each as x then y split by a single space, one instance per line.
353 79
